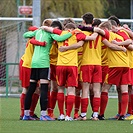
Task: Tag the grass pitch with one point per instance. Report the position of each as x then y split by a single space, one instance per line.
10 123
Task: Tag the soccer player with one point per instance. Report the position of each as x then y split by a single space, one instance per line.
25 70
53 62
40 68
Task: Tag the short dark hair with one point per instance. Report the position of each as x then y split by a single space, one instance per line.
57 23
88 18
113 17
96 22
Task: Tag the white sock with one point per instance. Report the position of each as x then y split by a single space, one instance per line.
27 112
83 114
43 113
95 114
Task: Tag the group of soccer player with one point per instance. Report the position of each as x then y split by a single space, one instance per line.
74 64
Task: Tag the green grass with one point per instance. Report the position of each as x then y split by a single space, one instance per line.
10 123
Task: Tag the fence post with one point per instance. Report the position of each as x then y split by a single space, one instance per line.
7 80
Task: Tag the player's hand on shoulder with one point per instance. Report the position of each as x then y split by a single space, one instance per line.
62 48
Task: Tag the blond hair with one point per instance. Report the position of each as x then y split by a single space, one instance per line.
106 25
47 22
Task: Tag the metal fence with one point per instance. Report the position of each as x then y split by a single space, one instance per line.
12 46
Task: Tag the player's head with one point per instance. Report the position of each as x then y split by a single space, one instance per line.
68 20
114 25
47 22
96 22
113 17
88 18
70 26
57 24
106 25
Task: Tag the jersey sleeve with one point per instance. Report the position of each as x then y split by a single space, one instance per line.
57 31
29 34
60 38
80 37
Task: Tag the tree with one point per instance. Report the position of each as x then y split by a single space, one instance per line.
119 8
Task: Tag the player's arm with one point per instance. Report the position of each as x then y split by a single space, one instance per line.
61 38
46 28
114 46
100 31
126 42
52 30
37 43
29 34
85 28
130 47
92 37
71 47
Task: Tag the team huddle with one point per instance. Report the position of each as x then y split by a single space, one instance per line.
75 65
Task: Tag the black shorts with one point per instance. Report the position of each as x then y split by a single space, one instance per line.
39 73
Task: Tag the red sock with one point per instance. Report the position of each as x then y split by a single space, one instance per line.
132 102
77 104
119 107
96 104
70 103
103 102
66 103
35 98
48 107
91 101
53 100
84 105
124 103
60 98
22 100
129 109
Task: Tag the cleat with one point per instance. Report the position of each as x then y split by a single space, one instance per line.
132 122
129 117
75 116
67 118
46 118
53 116
115 117
122 117
61 117
26 118
101 117
21 118
36 117
81 118
95 118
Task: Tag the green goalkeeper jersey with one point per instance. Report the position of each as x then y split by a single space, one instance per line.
40 57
